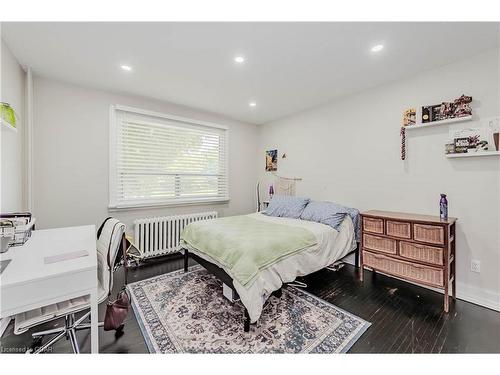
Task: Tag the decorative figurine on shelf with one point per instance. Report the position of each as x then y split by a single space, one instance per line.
443 207
462 106
474 141
482 146
409 117
446 110
271 192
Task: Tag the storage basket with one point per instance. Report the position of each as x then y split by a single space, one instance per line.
17 229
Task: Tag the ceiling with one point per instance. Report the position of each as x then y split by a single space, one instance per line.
289 67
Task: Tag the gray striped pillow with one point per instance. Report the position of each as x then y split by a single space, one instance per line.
286 206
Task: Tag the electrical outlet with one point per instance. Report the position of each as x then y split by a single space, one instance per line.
475 265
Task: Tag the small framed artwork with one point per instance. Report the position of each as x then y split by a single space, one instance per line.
462 145
271 160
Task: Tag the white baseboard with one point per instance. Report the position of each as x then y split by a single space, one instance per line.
4 322
477 296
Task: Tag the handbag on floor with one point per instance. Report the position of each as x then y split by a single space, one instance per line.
116 312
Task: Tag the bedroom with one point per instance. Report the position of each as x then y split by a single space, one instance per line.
363 154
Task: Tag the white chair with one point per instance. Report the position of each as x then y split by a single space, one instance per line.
110 238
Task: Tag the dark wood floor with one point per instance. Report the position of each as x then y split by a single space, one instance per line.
405 318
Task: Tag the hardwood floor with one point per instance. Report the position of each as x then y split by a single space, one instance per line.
405 318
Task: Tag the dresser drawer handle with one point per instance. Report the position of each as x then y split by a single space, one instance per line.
421 267
417 246
398 224
389 258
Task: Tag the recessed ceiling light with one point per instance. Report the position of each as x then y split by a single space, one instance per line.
127 68
378 48
252 104
239 59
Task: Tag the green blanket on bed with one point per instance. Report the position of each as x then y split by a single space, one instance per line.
244 245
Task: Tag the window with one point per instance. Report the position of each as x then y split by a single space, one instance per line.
158 159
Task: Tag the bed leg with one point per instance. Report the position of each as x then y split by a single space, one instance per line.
246 327
186 260
356 257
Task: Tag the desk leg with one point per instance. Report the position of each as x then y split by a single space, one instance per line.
94 322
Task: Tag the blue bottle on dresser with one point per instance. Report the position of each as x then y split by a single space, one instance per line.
443 207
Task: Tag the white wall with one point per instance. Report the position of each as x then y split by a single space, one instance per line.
348 151
12 163
71 143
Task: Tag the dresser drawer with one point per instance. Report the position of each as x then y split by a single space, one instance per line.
373 225
428 233
413 272
386 245
422 253
399 229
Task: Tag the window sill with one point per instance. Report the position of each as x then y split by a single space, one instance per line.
142 206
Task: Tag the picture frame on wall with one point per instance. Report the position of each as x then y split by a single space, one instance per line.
271 160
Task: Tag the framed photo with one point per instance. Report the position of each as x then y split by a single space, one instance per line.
271 160
461 145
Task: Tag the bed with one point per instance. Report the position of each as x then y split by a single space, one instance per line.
276 250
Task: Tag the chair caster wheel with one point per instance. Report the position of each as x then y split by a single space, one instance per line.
37 342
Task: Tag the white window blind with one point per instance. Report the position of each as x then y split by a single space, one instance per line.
160 159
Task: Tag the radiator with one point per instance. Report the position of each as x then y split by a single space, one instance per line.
161 235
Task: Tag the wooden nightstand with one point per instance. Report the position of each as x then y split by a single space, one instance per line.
416 248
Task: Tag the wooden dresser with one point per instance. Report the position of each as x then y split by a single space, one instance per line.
417 248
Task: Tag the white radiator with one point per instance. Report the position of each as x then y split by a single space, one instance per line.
161 235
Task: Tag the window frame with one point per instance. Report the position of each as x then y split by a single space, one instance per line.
113 183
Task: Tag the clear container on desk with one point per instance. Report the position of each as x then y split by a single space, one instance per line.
18 230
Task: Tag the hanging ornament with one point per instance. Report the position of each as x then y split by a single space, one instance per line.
403 143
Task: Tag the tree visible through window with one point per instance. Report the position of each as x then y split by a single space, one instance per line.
159 160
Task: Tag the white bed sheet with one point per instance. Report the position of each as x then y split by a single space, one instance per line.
331 246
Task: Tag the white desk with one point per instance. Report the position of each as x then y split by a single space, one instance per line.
28 283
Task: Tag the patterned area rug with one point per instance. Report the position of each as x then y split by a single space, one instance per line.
186 313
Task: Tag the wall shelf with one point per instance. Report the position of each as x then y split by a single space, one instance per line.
437 123
8 126
473 154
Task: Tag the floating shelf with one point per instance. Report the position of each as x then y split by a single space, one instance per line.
437 123
473 154
8 126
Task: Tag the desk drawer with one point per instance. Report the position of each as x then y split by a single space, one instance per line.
428 233
386 245
422 253
413 272
399 229
43 292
